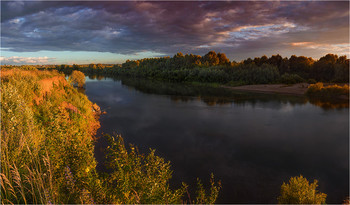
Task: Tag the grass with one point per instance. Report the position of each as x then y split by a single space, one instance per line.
320 90
40 138
47 150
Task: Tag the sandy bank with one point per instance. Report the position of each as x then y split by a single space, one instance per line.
296 89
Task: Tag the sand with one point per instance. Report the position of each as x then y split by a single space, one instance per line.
295 89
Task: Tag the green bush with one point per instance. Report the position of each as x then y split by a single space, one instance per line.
291 78
251 74
299 191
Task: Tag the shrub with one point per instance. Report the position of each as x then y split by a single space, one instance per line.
139 178
320 90
291 78
299 191
77 78
252 74
311 81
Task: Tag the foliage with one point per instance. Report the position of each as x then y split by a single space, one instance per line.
47 149
311 81
77 78
251 74
138 178
207 198
149 180
320 90
216 67
299 191
46 126
291 78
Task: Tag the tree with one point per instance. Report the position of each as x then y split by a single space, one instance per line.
324 69
300 65
275 60
211 59
299 191
223 60
77 78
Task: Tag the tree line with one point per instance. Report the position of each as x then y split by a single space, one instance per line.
217 68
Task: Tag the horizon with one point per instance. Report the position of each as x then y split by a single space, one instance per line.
54 33
47 64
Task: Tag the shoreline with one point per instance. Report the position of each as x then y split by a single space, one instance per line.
294 89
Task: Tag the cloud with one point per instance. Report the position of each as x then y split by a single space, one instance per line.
169 27
16 60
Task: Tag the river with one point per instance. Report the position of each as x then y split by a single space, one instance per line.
251 142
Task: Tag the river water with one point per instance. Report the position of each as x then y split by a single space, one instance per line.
251 142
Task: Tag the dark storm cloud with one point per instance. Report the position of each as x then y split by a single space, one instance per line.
237 28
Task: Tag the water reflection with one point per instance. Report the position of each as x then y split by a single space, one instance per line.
252 142
219 96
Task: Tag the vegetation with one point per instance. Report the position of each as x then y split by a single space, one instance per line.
217 68
77 78
320 90
299 191
291 78
47 130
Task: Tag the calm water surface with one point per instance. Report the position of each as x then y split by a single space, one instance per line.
251 142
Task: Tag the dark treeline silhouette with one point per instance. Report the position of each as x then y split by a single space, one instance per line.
217 68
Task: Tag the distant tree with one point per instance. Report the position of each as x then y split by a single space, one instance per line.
211 59
299 191
284 66
179 55
76 67
99 66
300 65
92 66
324 69
275 60
77 78
223 60
248 61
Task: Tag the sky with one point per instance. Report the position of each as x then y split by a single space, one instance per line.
82 32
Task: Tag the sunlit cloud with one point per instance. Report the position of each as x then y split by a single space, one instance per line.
342 49
301 43
16 60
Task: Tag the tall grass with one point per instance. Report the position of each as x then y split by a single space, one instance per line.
47 150
319 89
35 136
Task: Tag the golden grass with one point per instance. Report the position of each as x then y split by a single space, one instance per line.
319 89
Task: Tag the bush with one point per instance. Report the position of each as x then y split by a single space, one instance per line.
252 74
299 191
138 178
77 78
320 90
291 78
311 81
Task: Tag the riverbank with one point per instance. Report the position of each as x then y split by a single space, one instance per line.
338 91
294 89
48 140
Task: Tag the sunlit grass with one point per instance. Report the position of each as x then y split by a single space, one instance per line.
319 89
47 150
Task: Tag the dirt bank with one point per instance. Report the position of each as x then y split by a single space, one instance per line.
296 89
